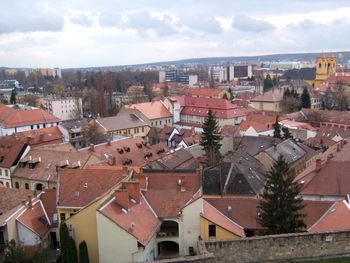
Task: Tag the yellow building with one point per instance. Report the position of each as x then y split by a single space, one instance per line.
325 67
79 199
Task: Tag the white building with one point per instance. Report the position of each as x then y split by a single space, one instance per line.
217 73
65 108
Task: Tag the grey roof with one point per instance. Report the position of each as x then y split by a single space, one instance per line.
303 73
196 150
180 159
253 145
288 149
121 122
239 174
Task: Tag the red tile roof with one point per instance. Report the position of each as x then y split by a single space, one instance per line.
273 95
10 151
49 201
321 183
152 110
43 136
335 219
244 210
139 220
165 195
127 152
10 117
35 219
259 122
46 158
203 92
79 187
215 216
222 108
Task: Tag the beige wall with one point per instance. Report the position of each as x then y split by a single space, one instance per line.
267 106
138 131
221 233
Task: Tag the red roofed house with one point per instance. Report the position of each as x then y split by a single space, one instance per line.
11 151
37 224
18 120
154 113
257 125
154 216
81 192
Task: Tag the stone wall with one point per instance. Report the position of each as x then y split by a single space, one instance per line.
279 248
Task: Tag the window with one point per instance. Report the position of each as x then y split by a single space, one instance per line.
2 240
7 184
17 185
26 185
32 127
6 172
212 230
0 172
62 216
71 214
143 129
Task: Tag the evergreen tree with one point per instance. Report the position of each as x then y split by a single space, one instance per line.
65 243
281 204
286 93
83 253
13 97
305 99
211 139
225 96
72 251
277 129
268 83
286 133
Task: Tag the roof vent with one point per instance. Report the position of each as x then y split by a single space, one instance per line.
85 185
120 151
126 148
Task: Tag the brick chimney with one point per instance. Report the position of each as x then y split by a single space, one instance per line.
229 211
30 204
122 198
113 160
318 165
133 188
109 143
92 147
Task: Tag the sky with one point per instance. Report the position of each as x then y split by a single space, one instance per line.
84 33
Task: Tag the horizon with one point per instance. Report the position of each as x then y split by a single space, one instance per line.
88 33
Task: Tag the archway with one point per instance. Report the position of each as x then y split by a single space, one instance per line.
39 187
168 249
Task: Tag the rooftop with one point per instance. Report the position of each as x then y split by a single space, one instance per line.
10 151
120 122
40 136
152 110
10 117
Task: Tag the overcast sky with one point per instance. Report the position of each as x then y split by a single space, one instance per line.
81 33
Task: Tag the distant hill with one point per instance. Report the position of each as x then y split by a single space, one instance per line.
342 56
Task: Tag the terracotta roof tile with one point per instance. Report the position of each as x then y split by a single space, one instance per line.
40 136
165 195
10 151
44 160
35 219
10 117
80 187
335 219
203 92
139 220
127 152
152 110
212 214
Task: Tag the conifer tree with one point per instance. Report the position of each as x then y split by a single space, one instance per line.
211 139
13 97
286 133
277 129
305 99
64 242
281 204
83 253
72 251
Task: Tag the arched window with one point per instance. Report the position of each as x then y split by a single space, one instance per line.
26 185
17 185
39 187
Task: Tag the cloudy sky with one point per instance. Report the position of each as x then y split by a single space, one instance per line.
81 33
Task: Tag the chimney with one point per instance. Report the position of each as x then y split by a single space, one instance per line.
92 147
30 205
193 131
122 198
143 181
133 189
41 136
229 211
182 183
318 165
113 160
109 143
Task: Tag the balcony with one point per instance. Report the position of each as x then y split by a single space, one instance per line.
168 229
